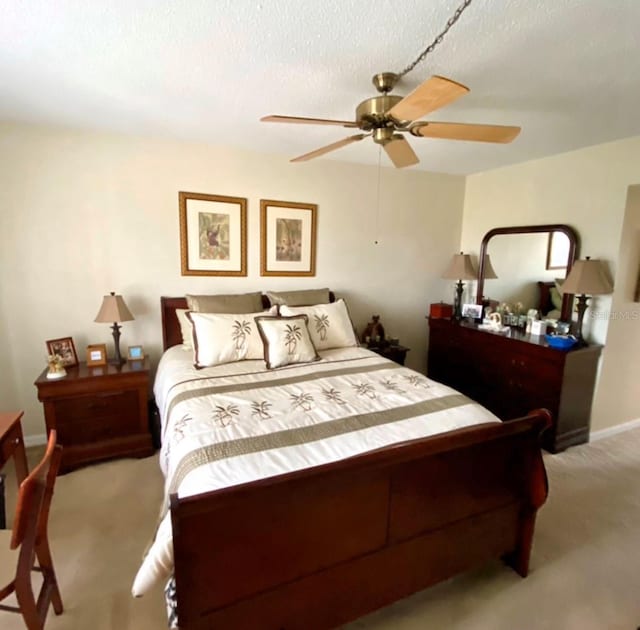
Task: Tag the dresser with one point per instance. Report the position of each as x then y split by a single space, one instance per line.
99 412
512 375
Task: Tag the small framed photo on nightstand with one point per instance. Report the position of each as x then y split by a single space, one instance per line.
96 354
135 353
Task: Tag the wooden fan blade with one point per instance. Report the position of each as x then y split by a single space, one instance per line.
462 131
400 152
329 148
299 120
433 94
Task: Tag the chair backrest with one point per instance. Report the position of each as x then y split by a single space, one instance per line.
34 496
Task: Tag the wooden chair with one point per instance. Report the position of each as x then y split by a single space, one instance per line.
28 540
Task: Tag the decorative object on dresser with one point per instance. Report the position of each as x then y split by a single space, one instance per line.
287 238
441 310
56 367
213 235
113 309
513 374
96 355
135 353
98 415
586 277
460 268
65 349
373 334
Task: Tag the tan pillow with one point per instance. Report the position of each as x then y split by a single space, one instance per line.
238 303
286 340
299 298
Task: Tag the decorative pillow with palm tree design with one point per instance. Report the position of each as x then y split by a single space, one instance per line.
286 340
224 337
329 324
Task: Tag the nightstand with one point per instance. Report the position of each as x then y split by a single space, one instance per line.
394 353
99 412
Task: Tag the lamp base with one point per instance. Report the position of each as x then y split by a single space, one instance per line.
118 360
581 307
457 303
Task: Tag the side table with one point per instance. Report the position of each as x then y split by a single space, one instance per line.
99 412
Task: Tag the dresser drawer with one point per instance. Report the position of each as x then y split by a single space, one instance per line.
102 405
88 419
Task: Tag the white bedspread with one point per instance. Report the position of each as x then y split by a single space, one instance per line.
239 422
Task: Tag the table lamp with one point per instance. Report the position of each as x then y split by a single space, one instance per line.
461 268
114 310
586 277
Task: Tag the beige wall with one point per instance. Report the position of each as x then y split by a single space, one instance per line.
586 189
86 213
619 390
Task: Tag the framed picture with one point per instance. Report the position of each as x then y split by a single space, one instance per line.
65 349
557 250
135 353
96 354
287 238
213 235
473 311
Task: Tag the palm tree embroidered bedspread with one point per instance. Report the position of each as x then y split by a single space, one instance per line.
239 422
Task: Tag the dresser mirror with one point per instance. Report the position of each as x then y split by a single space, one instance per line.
525 263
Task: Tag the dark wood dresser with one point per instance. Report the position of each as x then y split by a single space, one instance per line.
512 375
99 412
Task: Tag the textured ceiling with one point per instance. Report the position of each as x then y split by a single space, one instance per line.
565 70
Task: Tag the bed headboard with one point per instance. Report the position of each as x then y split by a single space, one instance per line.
171 333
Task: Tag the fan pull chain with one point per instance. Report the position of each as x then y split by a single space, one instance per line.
377 222
450 22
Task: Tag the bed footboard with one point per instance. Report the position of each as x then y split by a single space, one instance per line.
322 546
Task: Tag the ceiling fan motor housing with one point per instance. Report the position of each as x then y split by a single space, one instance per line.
372 113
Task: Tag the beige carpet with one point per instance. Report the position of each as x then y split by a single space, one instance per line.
585 571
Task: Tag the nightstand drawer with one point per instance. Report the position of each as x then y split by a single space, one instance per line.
89 419
103 405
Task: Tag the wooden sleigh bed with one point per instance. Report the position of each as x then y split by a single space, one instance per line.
321 546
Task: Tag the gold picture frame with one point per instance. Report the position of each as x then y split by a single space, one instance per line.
287 238
213 235
96 354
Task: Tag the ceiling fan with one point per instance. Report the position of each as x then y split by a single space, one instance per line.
387 116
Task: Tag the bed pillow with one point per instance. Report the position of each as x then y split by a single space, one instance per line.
286 340
299 298
230 304
329 324
224 337
185 328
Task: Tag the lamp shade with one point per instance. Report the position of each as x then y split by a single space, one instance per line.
460 268
113 309
587 277
489 272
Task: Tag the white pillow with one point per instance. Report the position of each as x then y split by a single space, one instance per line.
224 337
286 340
329 324
185 328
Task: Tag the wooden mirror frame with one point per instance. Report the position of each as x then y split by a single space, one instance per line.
574 245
